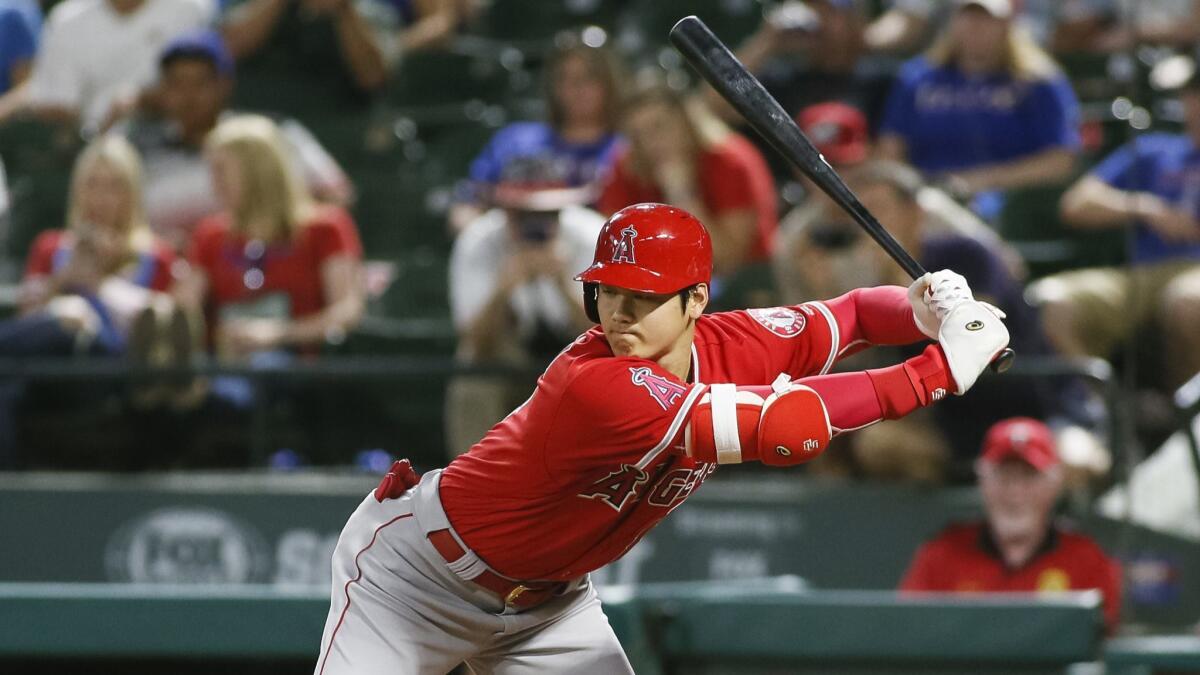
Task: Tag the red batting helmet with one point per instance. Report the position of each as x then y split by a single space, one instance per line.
650 248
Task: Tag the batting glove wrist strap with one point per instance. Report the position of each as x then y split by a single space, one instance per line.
971 335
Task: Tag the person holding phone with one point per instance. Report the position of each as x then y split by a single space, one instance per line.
512 296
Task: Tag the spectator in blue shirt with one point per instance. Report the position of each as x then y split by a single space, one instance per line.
576 144
832 255
20 27
1152 183
984 110
20 24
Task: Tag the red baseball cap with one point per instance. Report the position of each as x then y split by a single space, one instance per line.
1022 438
838 130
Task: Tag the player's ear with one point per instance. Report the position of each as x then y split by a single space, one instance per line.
697 301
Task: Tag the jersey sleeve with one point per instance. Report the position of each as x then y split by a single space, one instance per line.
620 189
919 576
20 43
56 78
728 187
900 109
1121 168
40 262
164 260
624 408
1056 110
205 246
334 233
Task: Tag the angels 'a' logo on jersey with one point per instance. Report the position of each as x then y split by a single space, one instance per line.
624 251
782 321
618 487
663 391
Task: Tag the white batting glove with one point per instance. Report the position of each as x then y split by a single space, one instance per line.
935 295
923 315
971 335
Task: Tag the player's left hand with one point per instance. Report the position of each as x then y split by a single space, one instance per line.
935 295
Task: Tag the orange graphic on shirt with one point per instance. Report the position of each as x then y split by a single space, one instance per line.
1052 580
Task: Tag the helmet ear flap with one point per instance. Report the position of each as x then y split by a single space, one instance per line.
589 301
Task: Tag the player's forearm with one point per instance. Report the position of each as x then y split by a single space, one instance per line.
880 315
482 334
1093 204
358 47
330 325
858 399
1049 166
249 26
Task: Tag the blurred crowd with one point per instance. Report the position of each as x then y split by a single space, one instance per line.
1047 151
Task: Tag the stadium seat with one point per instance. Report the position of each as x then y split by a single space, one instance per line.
38 157
509 20
751 286
649 21
434 77
1030 221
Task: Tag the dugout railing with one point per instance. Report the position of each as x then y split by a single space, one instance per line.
426 374
748 628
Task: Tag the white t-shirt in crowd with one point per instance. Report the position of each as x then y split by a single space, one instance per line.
479 256
91 55
177 187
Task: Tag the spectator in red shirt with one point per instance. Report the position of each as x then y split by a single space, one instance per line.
85 284
1019 547
680 154
273 271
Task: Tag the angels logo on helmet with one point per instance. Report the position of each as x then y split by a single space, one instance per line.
624 252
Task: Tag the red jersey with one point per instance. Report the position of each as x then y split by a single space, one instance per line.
291 268
52 249
732 176
963 558
574 477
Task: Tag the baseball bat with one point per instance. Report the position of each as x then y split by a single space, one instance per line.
713 60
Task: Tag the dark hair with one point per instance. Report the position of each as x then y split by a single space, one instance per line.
684 294
603 64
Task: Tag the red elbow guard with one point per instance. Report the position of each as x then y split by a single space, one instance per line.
730 425
794 427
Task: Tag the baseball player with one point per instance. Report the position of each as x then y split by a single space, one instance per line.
486 561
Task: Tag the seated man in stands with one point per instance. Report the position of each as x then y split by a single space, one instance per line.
195 80
512 296
1151 182
829 255
96 57
1020 546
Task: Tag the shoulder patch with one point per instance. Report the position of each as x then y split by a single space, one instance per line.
782 321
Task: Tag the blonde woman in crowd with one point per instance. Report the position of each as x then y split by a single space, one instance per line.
679 153
85 284
93 287
984 110
273 271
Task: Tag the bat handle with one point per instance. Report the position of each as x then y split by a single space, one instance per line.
1004 361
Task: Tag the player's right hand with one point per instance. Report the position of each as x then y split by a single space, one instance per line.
933 295
971 335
